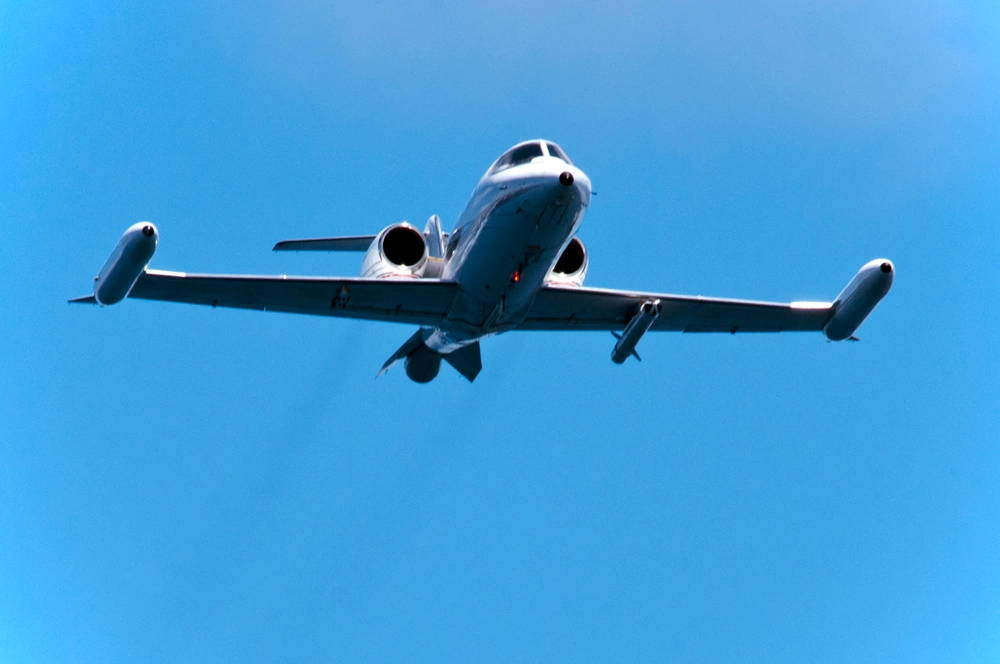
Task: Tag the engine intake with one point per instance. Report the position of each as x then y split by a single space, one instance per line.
399 250
571 266
403 245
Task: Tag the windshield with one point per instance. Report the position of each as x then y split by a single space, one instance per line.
556 151
522 154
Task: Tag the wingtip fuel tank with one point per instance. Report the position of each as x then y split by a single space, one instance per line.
859 298
122 269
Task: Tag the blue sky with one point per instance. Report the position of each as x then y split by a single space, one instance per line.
187 484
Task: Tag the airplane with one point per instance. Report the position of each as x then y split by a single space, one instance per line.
512 262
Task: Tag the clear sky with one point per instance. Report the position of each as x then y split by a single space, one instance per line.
187 484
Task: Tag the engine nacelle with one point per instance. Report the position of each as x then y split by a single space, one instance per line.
399 250
571 268
122 269
857 300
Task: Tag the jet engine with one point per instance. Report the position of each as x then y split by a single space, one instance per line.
399 250
571 267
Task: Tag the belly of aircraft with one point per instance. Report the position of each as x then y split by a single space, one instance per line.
517 243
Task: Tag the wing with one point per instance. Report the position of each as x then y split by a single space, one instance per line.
574 308
421 302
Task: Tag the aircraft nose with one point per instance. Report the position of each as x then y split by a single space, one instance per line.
574 183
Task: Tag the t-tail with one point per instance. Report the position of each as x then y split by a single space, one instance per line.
423 364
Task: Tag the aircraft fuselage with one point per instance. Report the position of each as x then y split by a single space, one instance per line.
513 229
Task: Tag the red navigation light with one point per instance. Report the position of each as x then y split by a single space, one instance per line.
516 277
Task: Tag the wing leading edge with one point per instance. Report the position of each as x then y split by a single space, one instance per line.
423 302
574 308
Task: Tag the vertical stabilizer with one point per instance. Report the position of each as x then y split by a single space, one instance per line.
434 237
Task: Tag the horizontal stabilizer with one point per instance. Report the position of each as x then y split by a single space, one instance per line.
86 299
346 243
410 345
467 361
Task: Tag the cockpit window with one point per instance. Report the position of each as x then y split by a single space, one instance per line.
522 154
556 151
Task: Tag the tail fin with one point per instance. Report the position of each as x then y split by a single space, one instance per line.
467 361
435 240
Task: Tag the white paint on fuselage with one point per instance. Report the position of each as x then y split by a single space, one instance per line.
518 220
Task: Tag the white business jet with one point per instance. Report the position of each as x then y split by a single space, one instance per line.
513 262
